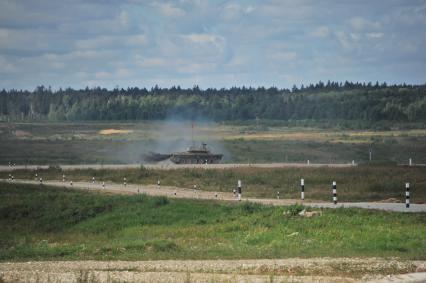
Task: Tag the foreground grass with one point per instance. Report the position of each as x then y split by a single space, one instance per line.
361 183
56 224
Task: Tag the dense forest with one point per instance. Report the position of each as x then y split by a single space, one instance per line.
322 101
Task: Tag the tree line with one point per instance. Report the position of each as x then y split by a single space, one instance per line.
320 101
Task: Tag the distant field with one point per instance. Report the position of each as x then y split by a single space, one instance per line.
360 183
56 224
74 143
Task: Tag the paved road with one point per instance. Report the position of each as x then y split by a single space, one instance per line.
169 166
175 192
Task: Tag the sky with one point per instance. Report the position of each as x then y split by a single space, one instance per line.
142 43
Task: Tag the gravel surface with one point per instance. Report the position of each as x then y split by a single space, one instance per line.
170 166
263 270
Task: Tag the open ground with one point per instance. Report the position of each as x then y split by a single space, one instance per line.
200 237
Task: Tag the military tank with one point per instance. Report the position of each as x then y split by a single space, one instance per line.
196 155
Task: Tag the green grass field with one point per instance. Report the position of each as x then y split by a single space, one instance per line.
360 183
57 224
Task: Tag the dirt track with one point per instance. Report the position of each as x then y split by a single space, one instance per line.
263 270
175 192
171 166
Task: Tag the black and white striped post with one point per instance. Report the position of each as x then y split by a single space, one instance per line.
239 190
41 181
71 183
278 195
36 176
302 189
407 195
215 195
195 188
10 177
63 177
125 181
13 178
334 193
158 183
93 180
103 185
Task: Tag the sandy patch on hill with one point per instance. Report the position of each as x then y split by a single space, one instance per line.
114 131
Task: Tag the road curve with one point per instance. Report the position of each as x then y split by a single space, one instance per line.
176 192
171 166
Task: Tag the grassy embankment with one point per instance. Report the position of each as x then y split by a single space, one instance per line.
361 183
55 224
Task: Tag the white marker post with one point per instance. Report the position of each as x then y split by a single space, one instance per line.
158 183
71 183
93 180
36 176
63 178
309 162
334 193
407 195
353 162
41 181
125 181
103 185
13 178
410 162
278 195
302 189
239 190
10 178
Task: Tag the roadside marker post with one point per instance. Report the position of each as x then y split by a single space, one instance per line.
239 190
93 180
103 185
158 183
278 195
10 177
36 176
302 189
13 178
71 183
63 178
334 193
410 162
407 195
41 181
125 181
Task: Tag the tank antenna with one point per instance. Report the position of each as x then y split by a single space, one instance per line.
192 133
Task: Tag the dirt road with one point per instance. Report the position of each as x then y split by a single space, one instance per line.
262 270
171 166
175 192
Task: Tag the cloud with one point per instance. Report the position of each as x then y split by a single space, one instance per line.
152 62
169 10
361 24
213 43
106 42
320 32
